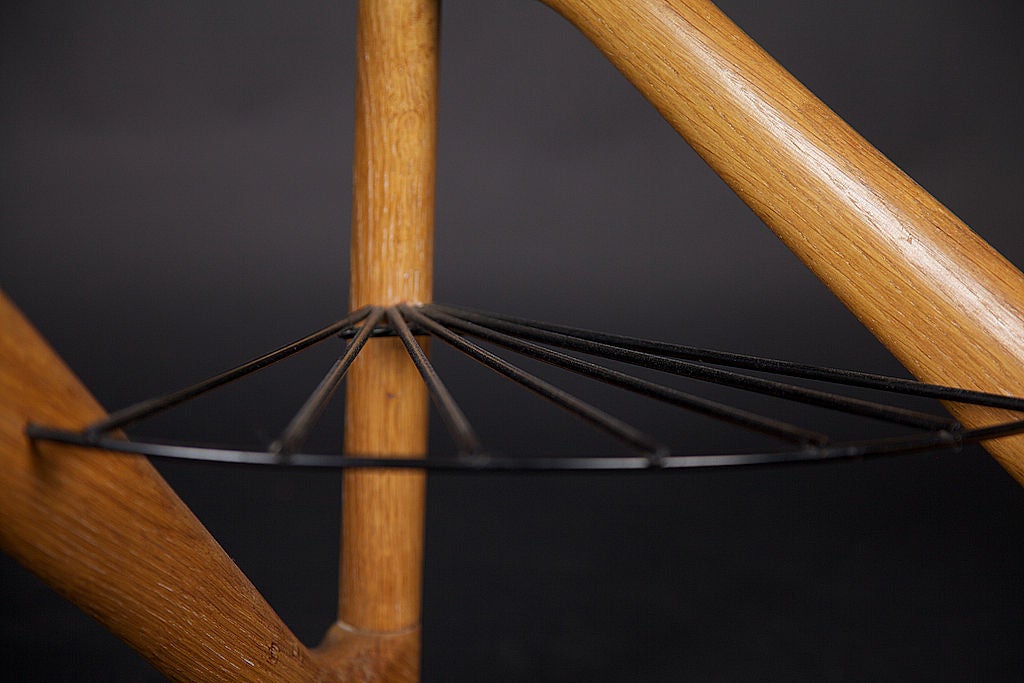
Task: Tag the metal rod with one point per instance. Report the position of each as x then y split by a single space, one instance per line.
713 409
792 392
994 431
595 416
865 380
483 462
298 429
153 406
454 419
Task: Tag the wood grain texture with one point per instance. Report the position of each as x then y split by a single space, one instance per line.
357 657
391 262
946 304
106 532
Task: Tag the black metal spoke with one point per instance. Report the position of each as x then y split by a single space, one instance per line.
792 392
298 429
454 419
699 405
595 416
153 406
994 431
866 380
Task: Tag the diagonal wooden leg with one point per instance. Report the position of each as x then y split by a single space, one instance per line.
106 532
946 304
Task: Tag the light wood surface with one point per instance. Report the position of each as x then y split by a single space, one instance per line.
391 262
106 532
947 305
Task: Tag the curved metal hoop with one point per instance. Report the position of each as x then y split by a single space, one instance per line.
453 324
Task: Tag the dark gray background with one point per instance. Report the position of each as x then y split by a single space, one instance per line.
174 196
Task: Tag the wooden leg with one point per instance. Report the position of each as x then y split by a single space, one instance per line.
386 414
946 304
107 533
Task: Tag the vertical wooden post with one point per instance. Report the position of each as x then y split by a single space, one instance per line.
391 262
